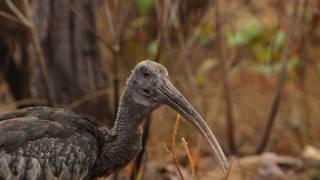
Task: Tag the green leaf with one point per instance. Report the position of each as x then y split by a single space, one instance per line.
145 6
207 64
139 22
279 39
203 33
262 69
204 68
293 63
262 53
244 34
152 48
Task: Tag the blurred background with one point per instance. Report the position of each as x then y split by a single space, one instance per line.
251 68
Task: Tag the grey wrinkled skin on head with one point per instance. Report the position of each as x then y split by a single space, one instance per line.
42 143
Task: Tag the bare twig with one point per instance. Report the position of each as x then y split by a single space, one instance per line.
10 17
43 66
229 171
87 97
174 136
282 76
226 84
173 144
193 170
174 159
28 23
19 15
28 102
303 46
172 154
118 27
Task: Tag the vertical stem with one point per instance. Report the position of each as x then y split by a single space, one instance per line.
226 85
282 76
146 128
115 51
116 81
43 67
302 20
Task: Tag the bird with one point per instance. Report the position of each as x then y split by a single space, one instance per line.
53 143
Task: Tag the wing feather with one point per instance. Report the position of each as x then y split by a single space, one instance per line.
47 143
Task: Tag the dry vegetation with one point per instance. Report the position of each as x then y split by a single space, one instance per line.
245 65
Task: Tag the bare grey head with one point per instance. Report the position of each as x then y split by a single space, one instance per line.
145 79
151 87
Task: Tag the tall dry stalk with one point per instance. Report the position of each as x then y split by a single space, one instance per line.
281 79
227 176
173 154
226 84
186 148
162 15
117 19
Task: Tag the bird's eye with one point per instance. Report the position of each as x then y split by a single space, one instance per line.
146 91
146 73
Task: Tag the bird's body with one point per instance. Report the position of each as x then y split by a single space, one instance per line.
42 143
47 143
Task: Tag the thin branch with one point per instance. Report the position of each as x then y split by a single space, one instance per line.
282 76
109 17
174 159
27 102
118 23
172 154
193 170
43 66
174 136
173 144
87 97
10 17
19 15
226 84
227 176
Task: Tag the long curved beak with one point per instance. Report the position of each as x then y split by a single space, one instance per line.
177 101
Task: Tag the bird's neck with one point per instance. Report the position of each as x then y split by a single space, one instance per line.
130 114
126 133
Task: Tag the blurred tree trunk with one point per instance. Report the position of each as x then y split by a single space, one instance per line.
14 53
71 49
66 32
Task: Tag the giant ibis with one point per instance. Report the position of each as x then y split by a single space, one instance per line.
50 143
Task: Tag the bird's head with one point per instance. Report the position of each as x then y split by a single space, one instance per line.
146 79
152 87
